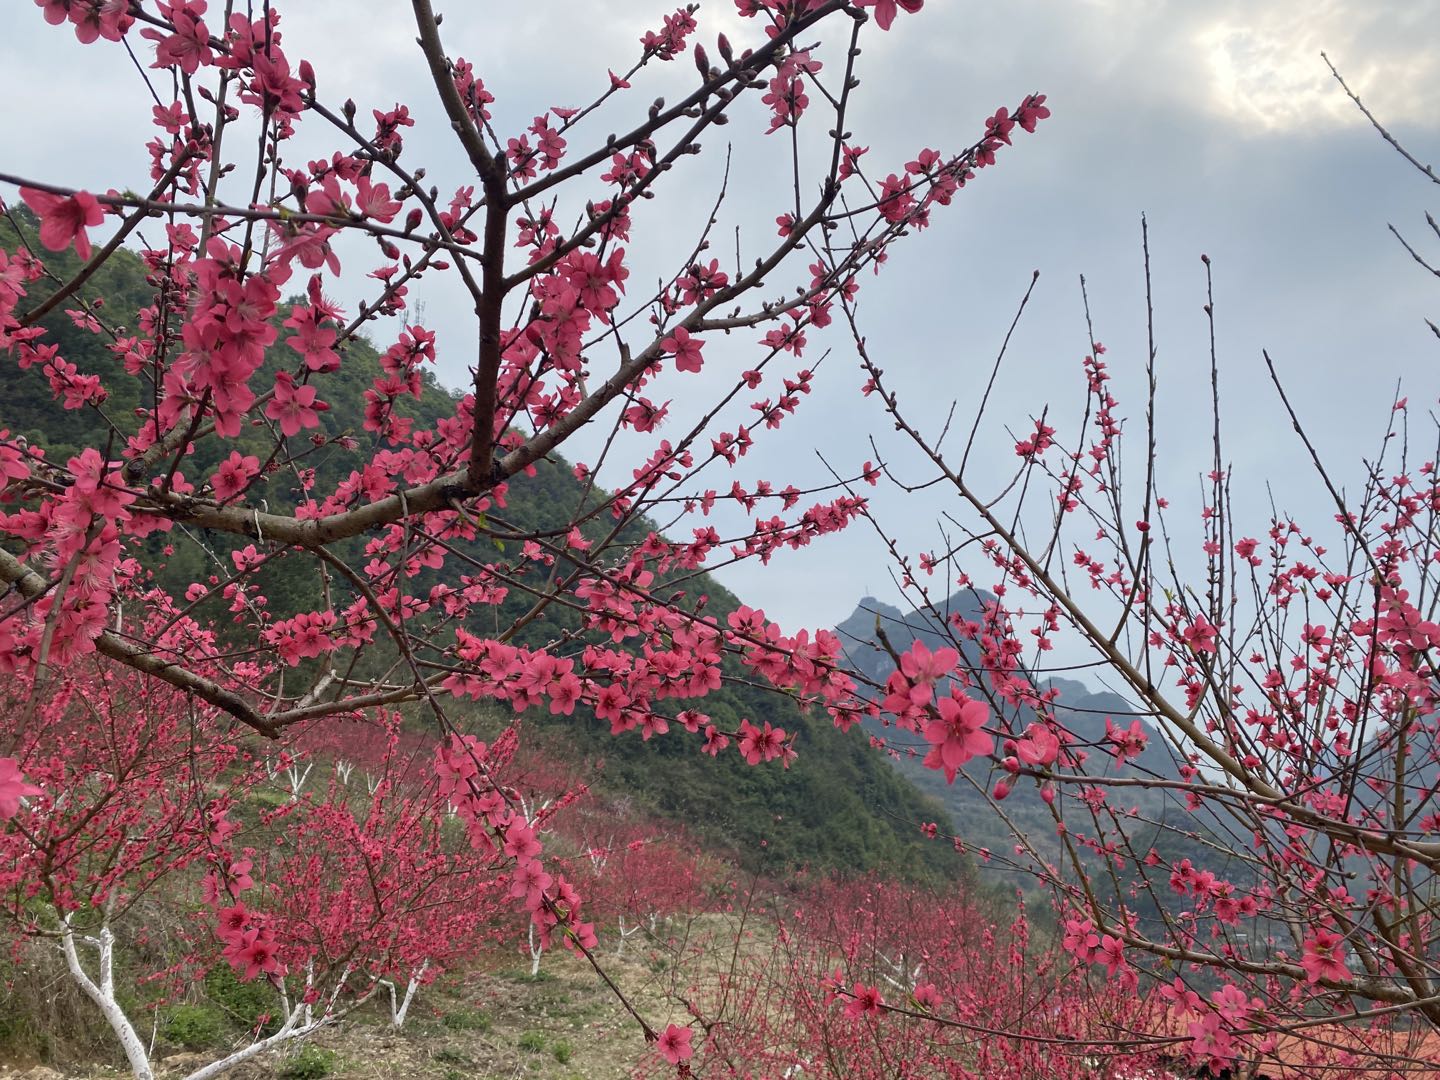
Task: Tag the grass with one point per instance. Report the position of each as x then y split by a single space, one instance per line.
449 1056
466 1019
310 1063
493 1021
521 975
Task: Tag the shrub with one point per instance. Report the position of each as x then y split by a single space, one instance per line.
244 1003
310 1063
194 1027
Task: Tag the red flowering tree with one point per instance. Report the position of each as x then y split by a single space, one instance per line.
537 228
873 978
643 877
367 888
1272 869
1291 676
128 787
133 805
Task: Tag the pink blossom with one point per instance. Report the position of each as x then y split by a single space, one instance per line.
956 735
1211 1042
1038 746
232 921
520 841
294 406
374 201
189 47
886 10
93 19
920 665
234 475
674 1044
864 1000
13 787
252 952
64 218
529 882
757 744
1324 957
685 349
1032 110
1125 742
896 198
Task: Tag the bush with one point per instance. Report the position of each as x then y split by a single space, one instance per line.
562 1051
533 1041
194 1027
244 1003
310 1063
54 1024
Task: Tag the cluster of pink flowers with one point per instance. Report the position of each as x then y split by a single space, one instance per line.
464 766
250 945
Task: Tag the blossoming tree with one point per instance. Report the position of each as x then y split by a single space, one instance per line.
869 977
1277 871
1291 676
136 814
537 229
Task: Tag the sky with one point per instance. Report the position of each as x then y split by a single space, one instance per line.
1218 121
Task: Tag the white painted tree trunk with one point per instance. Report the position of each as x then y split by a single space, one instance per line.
297 777
291 1029
299 1022
536 951
901 975
625 935
599 856
102 993
401 1008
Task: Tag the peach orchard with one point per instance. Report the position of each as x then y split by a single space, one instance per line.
1293 681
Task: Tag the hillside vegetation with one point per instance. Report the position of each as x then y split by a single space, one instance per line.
837 806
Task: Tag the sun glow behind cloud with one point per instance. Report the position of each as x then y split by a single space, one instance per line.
1266 74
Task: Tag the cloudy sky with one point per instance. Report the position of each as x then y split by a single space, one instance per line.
1219 121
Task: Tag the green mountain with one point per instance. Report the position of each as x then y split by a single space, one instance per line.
1163 822
838 806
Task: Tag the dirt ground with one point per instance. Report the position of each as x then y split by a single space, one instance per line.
497 1024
